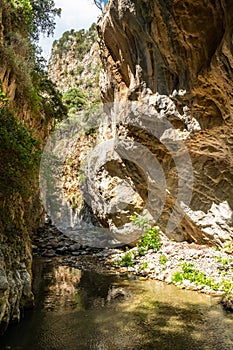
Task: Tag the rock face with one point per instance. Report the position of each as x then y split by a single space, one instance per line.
20 208
167 89
75 62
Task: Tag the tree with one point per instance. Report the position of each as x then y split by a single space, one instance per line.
23 21
74 99
44 14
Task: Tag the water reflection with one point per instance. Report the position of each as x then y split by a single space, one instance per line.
63 290
88 310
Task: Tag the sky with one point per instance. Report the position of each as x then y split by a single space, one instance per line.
76 14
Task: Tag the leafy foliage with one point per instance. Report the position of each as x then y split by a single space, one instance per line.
19 154
126 260
193 275
51 99
163 259
150 238
74 98
144 265
31 17
23 20
224 264
44 14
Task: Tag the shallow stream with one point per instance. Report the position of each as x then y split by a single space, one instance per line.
79 310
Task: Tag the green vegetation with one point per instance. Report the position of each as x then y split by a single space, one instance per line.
126 260
189 273
80 84
79 70
80 41
150 238
32 17
143 266
3 99
22 22
51 100
199 278
74 99
31 92
229 247
19 153
163 259
225 264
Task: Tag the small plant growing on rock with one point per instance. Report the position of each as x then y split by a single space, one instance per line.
163 259
143 266
199 278
126 260
224 264
227 286
139 221
150 238
193 275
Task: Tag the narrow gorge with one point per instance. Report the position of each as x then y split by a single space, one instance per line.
138 113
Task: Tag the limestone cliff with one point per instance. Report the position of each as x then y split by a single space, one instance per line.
75 63
167 88
28 104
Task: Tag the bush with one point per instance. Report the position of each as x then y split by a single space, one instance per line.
19 153
150 239
143 265
21 69
74 98
126 260
51 100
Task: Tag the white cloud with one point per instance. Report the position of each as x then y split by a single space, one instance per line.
76 14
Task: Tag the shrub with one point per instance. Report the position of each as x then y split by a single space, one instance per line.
19 153
74 98
163 259
150 239
126 260
225 264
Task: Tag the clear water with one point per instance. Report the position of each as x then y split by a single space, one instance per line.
79 310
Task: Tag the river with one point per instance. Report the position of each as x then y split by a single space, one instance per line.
80 309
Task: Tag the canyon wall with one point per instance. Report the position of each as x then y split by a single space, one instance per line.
167 91
24 128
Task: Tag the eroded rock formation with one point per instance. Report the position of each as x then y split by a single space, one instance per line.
167 82
20 209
